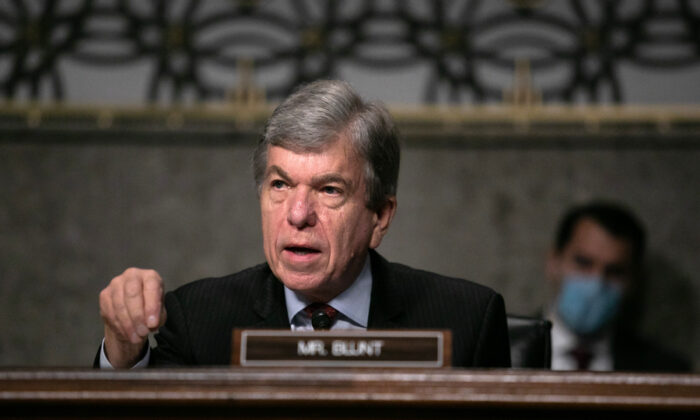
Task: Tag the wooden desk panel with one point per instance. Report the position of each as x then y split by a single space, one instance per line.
344 393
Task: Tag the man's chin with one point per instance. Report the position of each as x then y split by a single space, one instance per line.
302 282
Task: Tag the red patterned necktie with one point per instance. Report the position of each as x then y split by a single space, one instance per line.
583 357
321 314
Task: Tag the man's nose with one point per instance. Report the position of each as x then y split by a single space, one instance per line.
302 210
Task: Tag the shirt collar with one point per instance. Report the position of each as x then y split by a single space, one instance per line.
353 302
564 340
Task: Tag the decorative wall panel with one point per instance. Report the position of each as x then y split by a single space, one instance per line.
191 48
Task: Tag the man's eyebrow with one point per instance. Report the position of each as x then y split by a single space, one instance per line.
331 178
279 171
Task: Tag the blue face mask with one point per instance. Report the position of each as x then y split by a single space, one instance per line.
586 304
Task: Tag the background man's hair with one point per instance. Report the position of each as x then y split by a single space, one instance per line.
614 218
319 113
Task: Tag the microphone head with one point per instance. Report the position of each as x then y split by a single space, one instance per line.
320 320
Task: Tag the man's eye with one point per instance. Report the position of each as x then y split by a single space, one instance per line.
330 190
583 262
615 271
277 184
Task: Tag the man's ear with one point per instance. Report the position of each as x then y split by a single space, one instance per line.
382 220
553 268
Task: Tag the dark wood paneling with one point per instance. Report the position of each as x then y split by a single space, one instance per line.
345 393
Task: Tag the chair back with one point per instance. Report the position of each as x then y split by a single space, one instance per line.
530 342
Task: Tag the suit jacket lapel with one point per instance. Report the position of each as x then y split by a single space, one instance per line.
386 307
270 304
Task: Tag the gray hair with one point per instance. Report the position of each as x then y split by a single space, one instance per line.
317 114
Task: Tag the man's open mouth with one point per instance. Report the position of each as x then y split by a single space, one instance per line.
300 250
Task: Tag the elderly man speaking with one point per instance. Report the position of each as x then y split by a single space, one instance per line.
326 170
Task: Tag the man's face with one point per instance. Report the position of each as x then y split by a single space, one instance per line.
595 252
317 228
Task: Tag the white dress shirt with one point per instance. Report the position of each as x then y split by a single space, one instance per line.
565 340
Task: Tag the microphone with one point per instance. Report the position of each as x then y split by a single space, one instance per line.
320 320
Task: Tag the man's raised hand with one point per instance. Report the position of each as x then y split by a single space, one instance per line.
131 307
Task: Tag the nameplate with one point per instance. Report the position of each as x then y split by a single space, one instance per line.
342 348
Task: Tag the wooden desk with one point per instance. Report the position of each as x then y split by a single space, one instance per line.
344 394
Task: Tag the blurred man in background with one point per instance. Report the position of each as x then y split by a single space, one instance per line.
595 263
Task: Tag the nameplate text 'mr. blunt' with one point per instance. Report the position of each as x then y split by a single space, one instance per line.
342 348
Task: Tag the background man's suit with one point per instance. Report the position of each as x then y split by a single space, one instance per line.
634 353
202 314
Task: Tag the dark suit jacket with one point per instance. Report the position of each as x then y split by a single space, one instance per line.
202 314
634 353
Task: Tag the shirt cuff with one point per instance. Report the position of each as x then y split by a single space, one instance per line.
104 362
